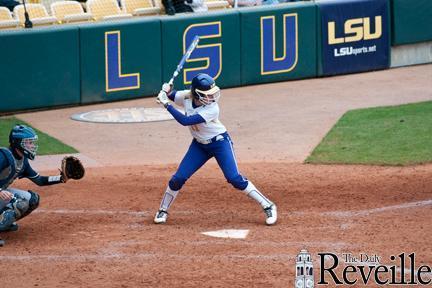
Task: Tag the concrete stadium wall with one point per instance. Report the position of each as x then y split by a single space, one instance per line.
411 54
411 32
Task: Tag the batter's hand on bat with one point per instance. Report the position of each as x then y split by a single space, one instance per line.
167 88
162 98
6 196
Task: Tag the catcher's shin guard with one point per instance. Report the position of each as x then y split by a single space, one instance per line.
33 203
22 205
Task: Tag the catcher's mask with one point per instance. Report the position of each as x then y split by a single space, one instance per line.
204 89
24 139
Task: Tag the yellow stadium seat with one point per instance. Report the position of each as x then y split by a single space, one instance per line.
70 11
106 10
140 7
217 4
37 13
158 3
6 19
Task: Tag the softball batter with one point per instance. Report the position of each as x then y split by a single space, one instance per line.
210 139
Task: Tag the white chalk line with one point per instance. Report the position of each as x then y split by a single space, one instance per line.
253 243
349 213
111 251
144 256
93 212
417 204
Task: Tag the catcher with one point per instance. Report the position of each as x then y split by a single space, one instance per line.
15 204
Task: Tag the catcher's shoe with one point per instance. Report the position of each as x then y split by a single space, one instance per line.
7 221
13 227
161 217
271 213
2 242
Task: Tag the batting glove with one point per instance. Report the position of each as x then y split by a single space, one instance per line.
166 87
162 98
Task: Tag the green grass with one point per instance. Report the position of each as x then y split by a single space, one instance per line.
397 135
47 144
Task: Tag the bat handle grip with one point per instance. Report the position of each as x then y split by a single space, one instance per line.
171 81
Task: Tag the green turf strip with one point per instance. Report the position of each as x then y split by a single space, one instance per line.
397 135
47 144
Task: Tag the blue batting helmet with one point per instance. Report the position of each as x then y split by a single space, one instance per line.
204 89
24 139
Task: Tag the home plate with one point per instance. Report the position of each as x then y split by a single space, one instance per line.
228 233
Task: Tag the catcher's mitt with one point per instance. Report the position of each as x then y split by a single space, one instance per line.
71 168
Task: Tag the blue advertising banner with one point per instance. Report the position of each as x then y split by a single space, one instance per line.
355 35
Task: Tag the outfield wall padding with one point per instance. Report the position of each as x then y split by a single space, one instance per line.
120 60
217 53
355 36
278 43
30 65
411 21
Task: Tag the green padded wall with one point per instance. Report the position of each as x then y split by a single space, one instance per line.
39 68
120 60
217 54
411 21
294 52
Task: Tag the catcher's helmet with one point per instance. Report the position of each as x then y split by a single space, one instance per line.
24 139
204 89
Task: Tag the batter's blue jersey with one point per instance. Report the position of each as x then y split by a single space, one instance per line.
210 139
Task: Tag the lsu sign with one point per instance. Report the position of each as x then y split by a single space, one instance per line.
271 63
355 36
356 29
209 54
115 78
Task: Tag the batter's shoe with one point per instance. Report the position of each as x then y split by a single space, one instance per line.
2 242
271 213
161 217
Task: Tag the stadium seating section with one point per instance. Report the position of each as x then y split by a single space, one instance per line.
64 12
37 13
6 19
70 12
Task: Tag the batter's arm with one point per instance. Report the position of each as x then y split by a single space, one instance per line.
172 95
183 119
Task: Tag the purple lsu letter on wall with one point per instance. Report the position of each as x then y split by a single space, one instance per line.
355 35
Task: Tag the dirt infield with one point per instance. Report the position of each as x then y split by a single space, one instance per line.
98 232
